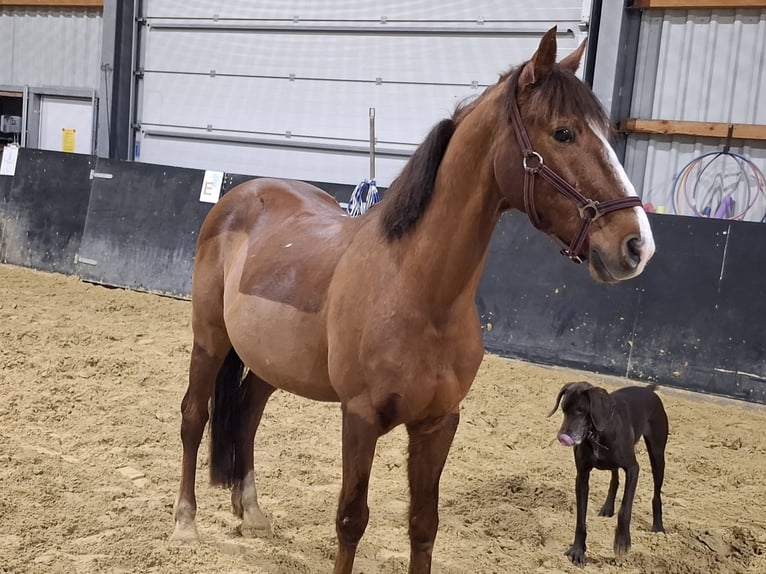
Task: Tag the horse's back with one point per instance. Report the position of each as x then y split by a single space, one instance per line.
281 238
259 201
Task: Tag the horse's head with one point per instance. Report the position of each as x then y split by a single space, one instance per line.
554 134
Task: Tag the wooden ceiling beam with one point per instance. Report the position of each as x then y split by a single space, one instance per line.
699 4
52 3
720 130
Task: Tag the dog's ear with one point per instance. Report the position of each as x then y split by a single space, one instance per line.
601 407
563 390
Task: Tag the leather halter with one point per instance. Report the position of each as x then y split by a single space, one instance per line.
590 210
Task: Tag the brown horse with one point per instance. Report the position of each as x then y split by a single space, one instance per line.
284 281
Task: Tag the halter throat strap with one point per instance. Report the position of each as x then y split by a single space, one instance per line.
534 165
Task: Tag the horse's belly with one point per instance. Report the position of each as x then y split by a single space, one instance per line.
282 345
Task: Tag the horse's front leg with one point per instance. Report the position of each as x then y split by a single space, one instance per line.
360 435
430 443
244 496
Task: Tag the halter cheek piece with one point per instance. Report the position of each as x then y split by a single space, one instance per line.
590 210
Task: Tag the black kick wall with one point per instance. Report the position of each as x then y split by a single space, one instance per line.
43 208
141 228
693 319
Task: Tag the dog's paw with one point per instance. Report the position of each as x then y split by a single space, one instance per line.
621 544
607 511
658 528
577 555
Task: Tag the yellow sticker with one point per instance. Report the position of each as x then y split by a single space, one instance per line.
68 137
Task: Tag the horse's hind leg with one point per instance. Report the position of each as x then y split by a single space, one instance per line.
244 497
203 370
430 442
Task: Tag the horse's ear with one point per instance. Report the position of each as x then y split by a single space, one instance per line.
572 61
542 62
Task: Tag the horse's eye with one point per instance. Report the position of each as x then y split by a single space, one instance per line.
564 135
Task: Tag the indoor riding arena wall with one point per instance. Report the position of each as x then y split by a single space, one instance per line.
694 319
92 378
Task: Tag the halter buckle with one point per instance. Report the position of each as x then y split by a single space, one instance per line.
590 208
572 257
534 168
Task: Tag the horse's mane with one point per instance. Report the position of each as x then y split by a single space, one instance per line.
410 193
559 94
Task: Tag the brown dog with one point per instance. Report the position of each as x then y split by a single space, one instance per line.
604 429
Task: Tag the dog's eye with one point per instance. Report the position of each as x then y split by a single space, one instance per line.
564 135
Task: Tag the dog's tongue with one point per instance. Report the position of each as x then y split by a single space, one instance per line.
566 440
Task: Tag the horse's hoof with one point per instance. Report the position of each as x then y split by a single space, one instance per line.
185 534
255 524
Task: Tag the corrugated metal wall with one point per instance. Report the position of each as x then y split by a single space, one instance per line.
700 65
50 47
283 87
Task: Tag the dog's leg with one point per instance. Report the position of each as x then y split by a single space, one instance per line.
622 534
576 552
655 446
608 508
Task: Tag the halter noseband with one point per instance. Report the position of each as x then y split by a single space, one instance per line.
590 210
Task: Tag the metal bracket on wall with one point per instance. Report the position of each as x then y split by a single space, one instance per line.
98 175
84 260
729 133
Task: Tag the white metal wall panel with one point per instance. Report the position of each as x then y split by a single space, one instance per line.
301 72
306 165
340 57
442 13
333 88
50 47
309 110
697 65
712 66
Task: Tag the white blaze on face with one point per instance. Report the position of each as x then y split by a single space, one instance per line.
647 250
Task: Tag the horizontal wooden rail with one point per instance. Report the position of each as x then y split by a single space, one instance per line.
646 4
699 129
53 3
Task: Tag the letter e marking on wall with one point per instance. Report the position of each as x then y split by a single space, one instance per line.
211 186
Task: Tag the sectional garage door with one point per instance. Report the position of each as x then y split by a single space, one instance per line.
285 87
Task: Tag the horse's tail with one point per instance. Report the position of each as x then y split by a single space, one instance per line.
225 413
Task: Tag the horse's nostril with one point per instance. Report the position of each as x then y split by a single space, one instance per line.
633 250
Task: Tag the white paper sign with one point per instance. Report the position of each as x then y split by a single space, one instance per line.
211 186
8 163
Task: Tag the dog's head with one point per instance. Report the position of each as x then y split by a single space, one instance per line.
585 408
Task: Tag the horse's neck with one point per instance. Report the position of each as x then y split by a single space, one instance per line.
449 245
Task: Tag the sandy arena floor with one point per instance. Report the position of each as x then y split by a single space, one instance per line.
91 380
